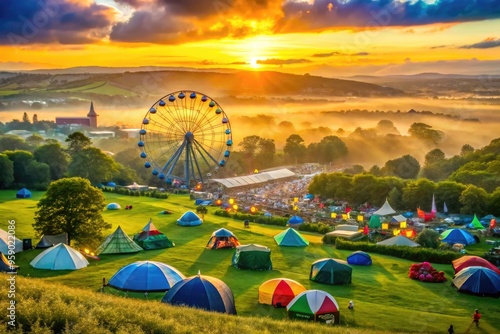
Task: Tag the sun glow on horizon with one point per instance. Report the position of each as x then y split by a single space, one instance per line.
254 63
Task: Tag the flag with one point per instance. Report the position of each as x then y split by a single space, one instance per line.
445 209
433 210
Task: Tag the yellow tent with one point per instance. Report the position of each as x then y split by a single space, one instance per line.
279 291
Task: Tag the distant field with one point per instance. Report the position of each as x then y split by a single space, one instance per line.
385 298
100 87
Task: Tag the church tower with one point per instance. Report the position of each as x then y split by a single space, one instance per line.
92 115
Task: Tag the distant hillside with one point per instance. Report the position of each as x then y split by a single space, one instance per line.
155 83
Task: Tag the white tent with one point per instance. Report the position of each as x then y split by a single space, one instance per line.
60 257
399 218
398 240
4 243
385 210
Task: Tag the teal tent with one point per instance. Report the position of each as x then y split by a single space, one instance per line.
331 271
118 243
290 237
374 222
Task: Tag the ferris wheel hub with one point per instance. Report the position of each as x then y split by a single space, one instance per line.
189 137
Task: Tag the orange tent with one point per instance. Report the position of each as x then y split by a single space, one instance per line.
470 260
279 291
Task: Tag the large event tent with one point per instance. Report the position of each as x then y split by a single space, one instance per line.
457 236
290 237
151 238
204 292
385 210
254 257
279 291
118 243
331 271
398 240
470 260
60 257
222 238
189 218
359 258
478 280
146 276
315 305
4 243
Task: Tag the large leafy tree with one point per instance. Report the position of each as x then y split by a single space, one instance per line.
53 155
12 143
92 164
449 192
474 200
6 171
418 194
266 153
72 206
77 142
295 149
330 149
405 167
425 132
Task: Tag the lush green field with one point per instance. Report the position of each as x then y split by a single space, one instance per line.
385 298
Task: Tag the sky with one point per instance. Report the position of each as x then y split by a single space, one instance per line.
331 38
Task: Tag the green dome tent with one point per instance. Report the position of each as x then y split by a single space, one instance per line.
290 237
477 224
254 257
331 271
118 243
151 238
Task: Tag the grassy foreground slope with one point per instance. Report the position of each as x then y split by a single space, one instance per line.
44 307
385 298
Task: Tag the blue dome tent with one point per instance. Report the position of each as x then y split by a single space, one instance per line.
113 206
146 276
23 193
478 280
189 218
458 236
204 292
295 220
359 258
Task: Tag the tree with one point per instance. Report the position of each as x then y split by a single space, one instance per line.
425 132
21 160
330 149
474 200
418 194
466 149
6 171
35 139
250 145
428 238
26 118
434 156
294 149
77 141
405 167
35 118
92 164
72 206
53 155
266 153
12 143
385 126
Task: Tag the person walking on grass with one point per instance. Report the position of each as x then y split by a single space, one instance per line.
451 330
476 316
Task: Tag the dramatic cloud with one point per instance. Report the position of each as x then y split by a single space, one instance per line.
486 44
323 14
274 61
54 21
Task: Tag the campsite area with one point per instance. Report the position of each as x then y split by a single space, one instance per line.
385 297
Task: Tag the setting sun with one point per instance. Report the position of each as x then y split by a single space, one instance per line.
254 63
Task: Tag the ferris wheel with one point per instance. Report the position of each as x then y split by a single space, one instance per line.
185 138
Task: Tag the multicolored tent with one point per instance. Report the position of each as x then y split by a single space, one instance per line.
457 236
60 257
204 292
359 258
222 238
314 305
189 218
331 271
477 224
146 276
470 260
118 243
151 238
478 280
290 237
254 257
279 291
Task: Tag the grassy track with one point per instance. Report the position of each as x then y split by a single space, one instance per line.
385 298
